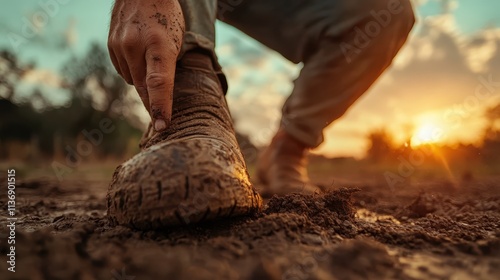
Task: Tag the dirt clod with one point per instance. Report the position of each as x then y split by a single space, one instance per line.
408 234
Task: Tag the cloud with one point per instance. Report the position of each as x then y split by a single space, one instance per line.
43 77
259 82
448 6
70 35
437 72
417 3
256 115
483 50
434 77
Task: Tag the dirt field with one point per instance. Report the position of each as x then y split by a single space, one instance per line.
433 231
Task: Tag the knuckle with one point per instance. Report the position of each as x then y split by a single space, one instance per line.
124 40
155 39
156 81
158 42
129 43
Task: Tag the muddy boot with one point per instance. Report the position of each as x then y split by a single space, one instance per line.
194 171
282 167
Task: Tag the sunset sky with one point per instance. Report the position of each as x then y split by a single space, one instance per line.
430 93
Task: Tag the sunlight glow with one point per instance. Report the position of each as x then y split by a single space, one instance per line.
427 133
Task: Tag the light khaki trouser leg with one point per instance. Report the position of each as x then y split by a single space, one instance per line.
345 46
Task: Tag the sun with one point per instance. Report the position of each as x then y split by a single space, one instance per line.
427 133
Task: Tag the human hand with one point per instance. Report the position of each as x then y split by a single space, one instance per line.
144 41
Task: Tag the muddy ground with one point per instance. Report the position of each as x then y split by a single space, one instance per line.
430 231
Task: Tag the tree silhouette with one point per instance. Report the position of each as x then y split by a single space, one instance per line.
381 146
95 93
93 82
493 114
491 140
11 71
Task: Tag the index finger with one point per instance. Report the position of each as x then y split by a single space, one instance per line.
160 76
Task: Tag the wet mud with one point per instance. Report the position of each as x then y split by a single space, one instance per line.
431 231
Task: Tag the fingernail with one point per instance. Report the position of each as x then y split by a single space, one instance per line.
160 125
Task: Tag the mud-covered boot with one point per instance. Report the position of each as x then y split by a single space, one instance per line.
282 167
192 172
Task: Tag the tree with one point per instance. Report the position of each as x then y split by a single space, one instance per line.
11 71
97 92
381 146
491 141
94 82
493 115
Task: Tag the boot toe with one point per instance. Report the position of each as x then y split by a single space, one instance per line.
181 182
